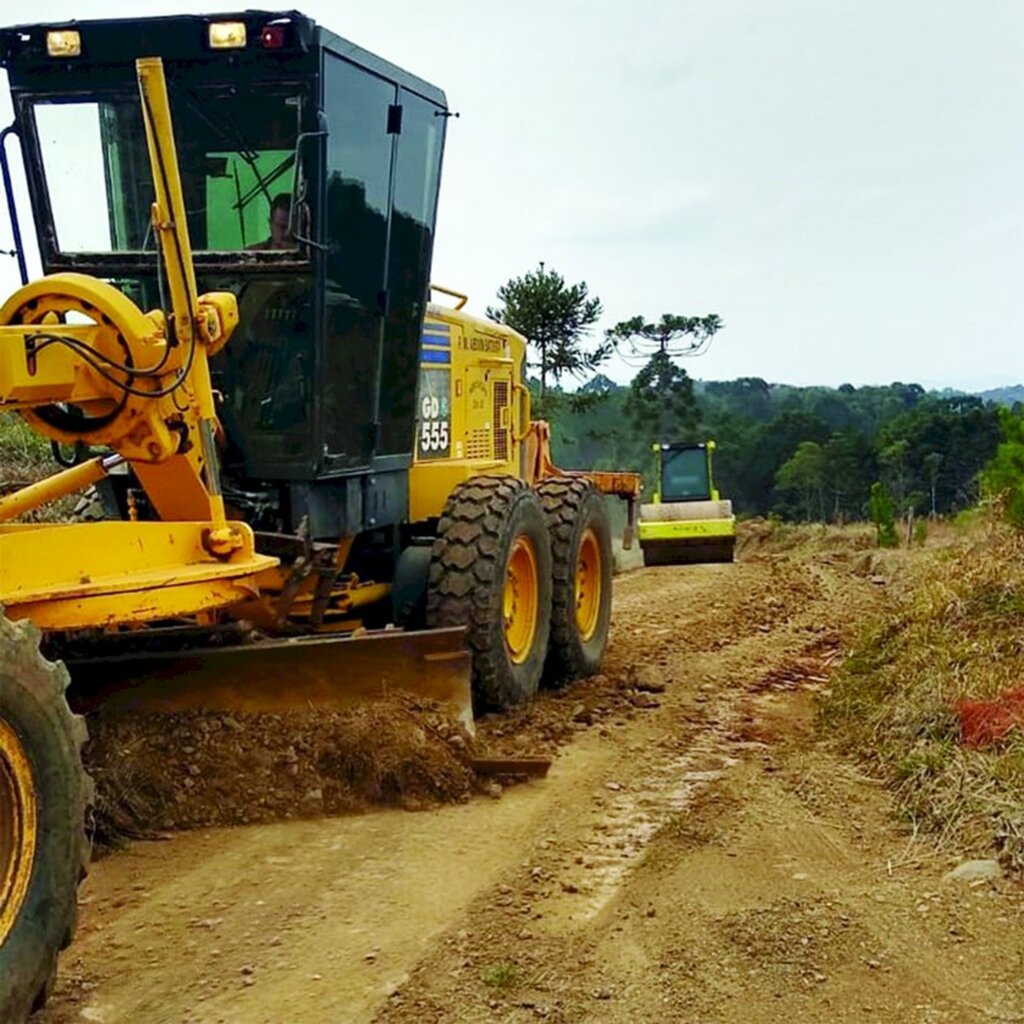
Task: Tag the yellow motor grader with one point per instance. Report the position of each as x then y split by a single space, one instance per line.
317 486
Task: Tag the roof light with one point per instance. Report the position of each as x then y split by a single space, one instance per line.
274 36
63 43
227 35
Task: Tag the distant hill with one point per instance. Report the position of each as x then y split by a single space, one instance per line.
1004 396
777 393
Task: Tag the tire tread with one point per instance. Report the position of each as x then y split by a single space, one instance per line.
48 681
565 500
471 537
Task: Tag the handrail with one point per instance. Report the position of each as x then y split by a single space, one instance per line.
461 296
19 249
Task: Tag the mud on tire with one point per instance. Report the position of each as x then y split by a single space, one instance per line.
491 525
579 526
41 861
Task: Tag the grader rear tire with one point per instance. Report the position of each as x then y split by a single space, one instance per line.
582 567
44 800
490 571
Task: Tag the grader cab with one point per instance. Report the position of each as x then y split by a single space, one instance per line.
316 487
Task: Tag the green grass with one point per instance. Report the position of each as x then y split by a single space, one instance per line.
25 457
501 975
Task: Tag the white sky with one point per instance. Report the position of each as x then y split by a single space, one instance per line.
842 181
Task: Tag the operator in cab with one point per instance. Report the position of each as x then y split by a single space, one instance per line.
280 225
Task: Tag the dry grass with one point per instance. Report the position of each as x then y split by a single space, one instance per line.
955 630
772 536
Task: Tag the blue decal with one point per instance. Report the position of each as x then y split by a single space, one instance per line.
428 356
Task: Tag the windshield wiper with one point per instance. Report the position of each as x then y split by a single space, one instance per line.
235 137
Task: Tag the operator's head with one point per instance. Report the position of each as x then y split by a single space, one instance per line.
280 217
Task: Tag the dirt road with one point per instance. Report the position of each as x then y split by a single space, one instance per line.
696 854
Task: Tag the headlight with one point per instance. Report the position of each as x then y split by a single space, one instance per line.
63 43
227 35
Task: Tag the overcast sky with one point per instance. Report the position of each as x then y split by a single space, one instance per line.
842 181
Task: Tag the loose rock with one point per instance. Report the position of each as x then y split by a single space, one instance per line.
974 871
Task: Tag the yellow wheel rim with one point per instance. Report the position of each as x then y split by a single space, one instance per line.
588 585
18 814
520 601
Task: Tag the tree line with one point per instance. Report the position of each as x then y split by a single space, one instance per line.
803 453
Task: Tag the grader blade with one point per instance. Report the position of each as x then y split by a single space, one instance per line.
281 675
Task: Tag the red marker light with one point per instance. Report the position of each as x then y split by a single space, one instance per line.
274 37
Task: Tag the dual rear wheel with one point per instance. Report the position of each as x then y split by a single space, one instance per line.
528 572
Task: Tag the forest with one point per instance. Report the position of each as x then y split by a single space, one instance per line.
800 453
809 453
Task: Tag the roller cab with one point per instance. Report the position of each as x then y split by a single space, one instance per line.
688 521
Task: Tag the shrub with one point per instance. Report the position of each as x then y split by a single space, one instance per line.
1003 478
882 516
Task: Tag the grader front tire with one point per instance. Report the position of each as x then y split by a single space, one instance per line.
490 571
44 799
581 553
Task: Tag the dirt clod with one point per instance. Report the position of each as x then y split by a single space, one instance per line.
266 767
647 679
